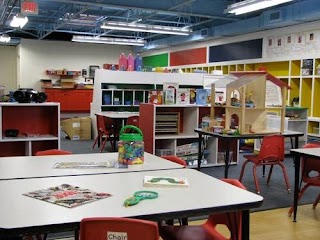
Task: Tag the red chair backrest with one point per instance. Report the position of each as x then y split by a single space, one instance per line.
272 148
52 152
104 124
176 159
309 165
113 228
133 120
232 220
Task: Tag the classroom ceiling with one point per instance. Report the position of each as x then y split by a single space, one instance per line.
61 19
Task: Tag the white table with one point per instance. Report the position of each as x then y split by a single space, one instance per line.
205 195
297 155
118 115
42 166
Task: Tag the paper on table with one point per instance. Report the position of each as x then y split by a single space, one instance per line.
63 165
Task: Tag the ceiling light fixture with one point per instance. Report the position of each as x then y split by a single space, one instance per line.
252 5
5 38
138 27
105 40
19 21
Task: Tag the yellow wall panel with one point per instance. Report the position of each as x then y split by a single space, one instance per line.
316 98
306 92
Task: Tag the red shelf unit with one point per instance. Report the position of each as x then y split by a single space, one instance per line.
38 125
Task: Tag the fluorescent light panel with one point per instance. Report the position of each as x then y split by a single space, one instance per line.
117 41
253 5
5 38
18 21
137 27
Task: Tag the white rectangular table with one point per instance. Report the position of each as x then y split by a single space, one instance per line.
297 155
42 166
205 195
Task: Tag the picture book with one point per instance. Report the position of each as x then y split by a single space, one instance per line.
170 91
64 165
201 96
155 96
174 85
165 181
192 96
183 96
169 96
67 195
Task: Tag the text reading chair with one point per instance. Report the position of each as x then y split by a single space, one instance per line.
271 153
118 228
310 175
208 230
105 132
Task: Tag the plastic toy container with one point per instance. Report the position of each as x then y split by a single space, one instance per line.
130 146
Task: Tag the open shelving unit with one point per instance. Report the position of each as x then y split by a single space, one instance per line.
190 117
129 85
303 86
38 126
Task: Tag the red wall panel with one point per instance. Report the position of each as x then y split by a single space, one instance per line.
191 56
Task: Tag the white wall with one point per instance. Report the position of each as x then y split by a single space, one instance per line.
36 56
8 67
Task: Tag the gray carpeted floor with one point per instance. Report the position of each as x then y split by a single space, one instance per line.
275 194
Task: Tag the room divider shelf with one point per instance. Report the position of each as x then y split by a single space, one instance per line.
37 126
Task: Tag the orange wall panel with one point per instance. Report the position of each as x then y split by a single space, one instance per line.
192 56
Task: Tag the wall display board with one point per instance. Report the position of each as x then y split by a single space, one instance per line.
236 51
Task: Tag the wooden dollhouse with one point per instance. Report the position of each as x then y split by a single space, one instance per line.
246 103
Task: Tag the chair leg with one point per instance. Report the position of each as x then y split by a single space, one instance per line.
242 170
95 142
299 197
270 172
256 182
286 179
103 144
316 202
183 221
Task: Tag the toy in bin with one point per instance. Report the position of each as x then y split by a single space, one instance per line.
130 146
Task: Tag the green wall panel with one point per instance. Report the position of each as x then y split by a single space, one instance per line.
160 60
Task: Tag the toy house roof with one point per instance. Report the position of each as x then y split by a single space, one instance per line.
220 81
253 76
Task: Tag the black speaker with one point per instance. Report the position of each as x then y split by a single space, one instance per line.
29 95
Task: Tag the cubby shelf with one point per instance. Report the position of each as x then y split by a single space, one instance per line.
190 118
38 126
304 87
129 83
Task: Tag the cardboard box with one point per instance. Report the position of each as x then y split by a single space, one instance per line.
77 128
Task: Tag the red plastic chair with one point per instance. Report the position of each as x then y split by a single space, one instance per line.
208 231
271 153
52 152
176 159
114 228
310 175
105 132
133 120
